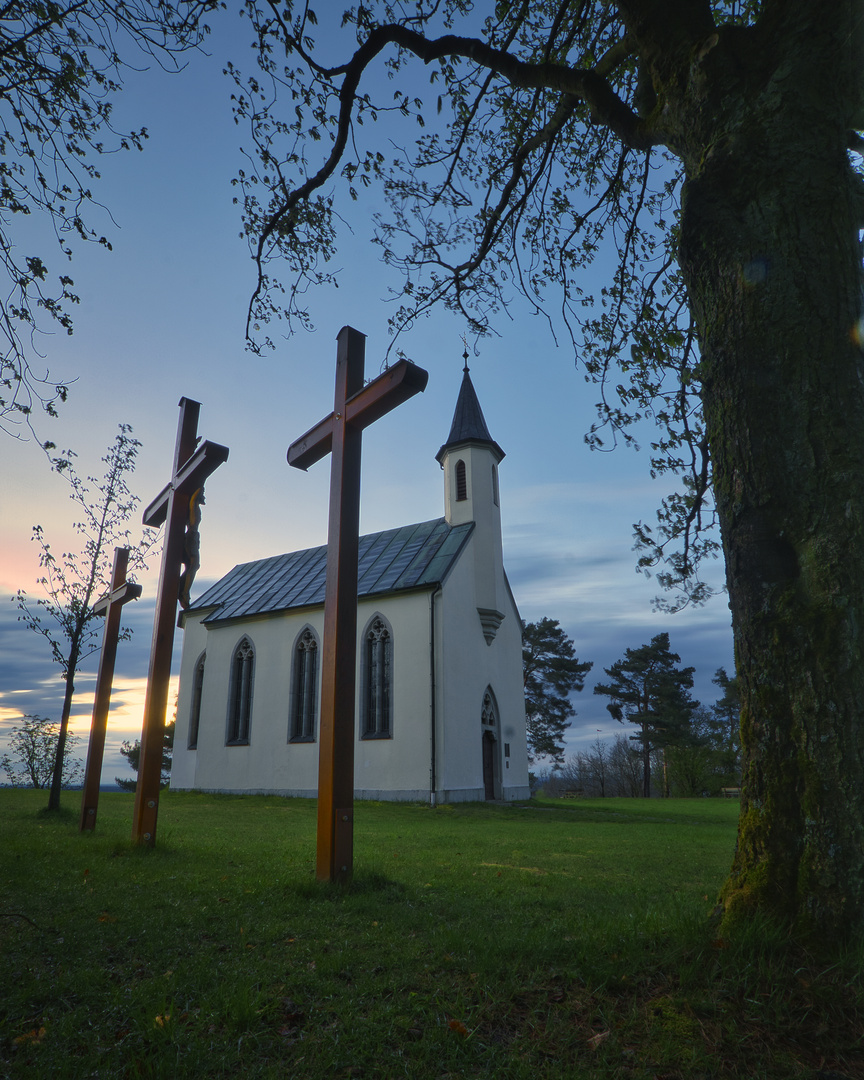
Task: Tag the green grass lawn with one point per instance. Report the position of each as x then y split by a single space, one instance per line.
550 940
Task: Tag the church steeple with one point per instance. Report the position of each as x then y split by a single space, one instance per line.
469 424
470 459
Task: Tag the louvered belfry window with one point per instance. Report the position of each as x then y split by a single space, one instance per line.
461 482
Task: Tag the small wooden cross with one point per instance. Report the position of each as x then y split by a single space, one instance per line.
193 463
355 408
120 592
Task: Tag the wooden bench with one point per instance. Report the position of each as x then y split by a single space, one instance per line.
731 792
573 794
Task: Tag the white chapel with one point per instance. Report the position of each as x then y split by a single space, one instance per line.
440 711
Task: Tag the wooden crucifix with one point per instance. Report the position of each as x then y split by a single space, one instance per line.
177 505
120 592
355 407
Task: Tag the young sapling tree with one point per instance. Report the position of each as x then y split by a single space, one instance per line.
74 581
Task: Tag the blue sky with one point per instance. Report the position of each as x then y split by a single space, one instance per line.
163 316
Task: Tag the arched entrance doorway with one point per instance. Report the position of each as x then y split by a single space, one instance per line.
489 737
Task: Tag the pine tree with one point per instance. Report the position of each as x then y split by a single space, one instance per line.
648 689
132 753
551 672
727 710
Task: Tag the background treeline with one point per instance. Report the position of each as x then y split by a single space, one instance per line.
676 746
702 759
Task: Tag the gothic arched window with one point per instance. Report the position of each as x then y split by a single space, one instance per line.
488 715
461 482
240 694
304 688
195 710
377 666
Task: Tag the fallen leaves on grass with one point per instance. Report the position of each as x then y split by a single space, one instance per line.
35 1035
598 1040
458 1027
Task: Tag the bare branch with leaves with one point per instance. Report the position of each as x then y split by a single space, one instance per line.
61 67
74 581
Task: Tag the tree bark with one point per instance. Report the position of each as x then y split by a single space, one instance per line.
57 775
646 763
771 257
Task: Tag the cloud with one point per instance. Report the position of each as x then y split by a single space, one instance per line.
31 684
585 578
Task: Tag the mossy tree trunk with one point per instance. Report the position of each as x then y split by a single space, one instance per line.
771 256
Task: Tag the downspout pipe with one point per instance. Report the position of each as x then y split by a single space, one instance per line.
433 749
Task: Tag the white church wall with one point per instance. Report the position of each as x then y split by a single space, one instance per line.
511 703
184 760
462 680
398 768
470 665
385 768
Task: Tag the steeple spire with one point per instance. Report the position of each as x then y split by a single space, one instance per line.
469 424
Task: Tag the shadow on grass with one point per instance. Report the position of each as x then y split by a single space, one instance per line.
365 883
63 815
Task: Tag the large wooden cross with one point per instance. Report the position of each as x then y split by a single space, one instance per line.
175 505
355 407
120 593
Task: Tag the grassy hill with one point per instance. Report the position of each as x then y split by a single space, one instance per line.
550 940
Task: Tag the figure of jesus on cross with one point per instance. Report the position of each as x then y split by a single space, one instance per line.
355 407
175 506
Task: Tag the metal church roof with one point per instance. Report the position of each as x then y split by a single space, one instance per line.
407 558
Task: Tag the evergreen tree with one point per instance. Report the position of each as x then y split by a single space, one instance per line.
132 753
551 672
648 689
727 710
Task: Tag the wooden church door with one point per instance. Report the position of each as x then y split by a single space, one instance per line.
489 722
488 765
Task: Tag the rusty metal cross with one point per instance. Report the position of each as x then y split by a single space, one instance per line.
355 407
120 592
193 463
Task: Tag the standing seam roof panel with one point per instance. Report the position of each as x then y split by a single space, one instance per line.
392 560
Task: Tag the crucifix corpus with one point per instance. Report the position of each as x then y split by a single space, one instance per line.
355 407
178 506
119 593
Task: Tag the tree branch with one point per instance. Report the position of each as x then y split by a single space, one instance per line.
577 85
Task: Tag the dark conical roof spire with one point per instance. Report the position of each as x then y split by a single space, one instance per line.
469 424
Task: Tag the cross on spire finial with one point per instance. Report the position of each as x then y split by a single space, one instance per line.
465 354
